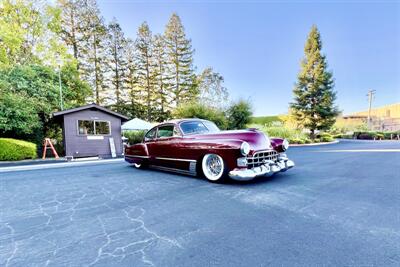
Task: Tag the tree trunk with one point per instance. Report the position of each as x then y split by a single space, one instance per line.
312 134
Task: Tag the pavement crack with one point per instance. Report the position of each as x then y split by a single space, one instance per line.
15 245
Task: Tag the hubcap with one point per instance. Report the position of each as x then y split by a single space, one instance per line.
213 167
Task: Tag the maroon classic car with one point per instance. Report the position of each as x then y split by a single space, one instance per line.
195 146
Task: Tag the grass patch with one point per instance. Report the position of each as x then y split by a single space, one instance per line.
265 120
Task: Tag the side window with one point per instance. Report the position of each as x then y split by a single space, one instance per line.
165 131
150 134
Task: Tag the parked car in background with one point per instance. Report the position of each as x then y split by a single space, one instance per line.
195 146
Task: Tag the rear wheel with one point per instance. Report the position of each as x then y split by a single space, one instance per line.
139 165
213 167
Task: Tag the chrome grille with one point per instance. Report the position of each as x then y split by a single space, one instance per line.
260 157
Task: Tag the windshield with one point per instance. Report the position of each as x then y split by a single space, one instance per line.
198 127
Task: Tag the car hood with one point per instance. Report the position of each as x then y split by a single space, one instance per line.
257 139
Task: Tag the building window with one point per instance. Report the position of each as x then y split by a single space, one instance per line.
102 127
91 127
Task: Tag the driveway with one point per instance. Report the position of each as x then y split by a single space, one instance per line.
339 206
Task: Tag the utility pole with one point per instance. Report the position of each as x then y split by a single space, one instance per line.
370 95
58 59
59 83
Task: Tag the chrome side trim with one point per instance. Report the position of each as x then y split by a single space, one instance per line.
162 168
175 159
136 156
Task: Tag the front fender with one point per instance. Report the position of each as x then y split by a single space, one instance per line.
277 144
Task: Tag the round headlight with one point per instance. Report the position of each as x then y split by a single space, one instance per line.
285 145
245 148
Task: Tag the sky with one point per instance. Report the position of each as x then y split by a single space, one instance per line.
257 45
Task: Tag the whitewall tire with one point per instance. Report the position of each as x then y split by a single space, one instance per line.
137 165
213 167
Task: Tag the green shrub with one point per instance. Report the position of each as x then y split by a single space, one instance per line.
391 135
294 136
13 149
134 137
199 111
239 115
371 135
380 136
367 135
325 137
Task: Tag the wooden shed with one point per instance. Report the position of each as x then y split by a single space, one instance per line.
91 130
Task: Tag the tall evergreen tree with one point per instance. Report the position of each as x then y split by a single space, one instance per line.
72 31
95 37
117 62
314 96
180 61
145 66
160 58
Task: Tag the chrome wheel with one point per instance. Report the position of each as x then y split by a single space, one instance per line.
213 167
137 165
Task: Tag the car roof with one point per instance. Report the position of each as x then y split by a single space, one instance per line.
178 121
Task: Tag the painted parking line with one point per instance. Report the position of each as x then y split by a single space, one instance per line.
361 150
57 165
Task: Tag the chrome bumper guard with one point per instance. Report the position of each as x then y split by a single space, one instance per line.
269 168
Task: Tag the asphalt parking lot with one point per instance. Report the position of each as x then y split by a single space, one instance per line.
340 206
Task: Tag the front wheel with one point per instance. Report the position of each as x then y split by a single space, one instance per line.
213 167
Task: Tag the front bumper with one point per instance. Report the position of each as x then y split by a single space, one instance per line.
267 169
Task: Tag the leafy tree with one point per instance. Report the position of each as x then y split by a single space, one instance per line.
17 114
197 110
212 92
313 104
180 61
145 66
239 114
38 88
28 33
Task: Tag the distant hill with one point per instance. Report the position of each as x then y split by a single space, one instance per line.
388 111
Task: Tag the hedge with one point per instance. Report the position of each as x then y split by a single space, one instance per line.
371 135
134 137
13 149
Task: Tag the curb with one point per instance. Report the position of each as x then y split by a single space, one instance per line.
57 165
315 144
30 162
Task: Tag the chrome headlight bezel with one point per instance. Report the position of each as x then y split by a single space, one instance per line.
245 148
285 145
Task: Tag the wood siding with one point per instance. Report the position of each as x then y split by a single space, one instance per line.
79 145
